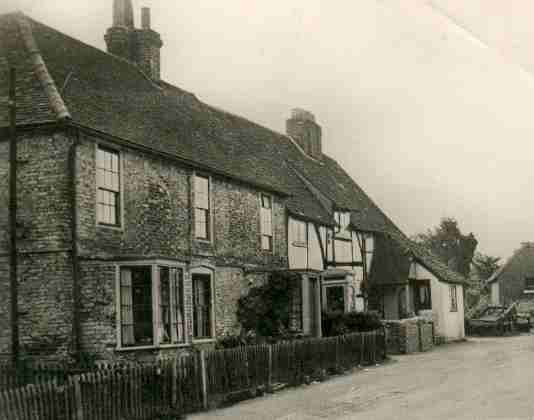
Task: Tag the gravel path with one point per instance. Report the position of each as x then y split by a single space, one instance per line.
483 378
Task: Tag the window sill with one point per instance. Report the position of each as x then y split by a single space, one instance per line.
528 292
110 227
163 346
204 340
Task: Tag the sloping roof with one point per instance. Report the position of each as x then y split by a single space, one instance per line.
110 95
427 259
525 253
61 77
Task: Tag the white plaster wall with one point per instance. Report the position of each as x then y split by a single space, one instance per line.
297 255
452 327
447 324
315 257
369 247
495 296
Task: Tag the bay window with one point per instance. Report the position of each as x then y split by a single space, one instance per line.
151 309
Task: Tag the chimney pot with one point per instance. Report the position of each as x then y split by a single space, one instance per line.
302 128
145 18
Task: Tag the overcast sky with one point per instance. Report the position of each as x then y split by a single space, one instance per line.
429 105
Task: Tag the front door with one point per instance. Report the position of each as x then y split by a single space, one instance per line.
313 284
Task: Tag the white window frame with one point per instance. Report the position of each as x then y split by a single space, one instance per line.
210 230
529 289
120 221
262 234
453 291
296 225
155 282
203 270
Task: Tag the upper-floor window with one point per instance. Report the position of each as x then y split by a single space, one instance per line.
202 207
108 187
529 283
151 306
454 298
342 220
299 233
266 217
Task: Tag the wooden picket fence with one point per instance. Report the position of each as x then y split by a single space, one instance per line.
290 363
24 374
187 383
130 392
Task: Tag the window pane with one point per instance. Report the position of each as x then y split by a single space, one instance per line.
126 310
164 327
136 306
266 221
201 185
201 224
335 298
202 192
178 331
267 242
202 309
266 201
108 182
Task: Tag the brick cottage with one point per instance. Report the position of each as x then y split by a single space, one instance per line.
145 214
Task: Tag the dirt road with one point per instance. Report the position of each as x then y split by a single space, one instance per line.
484 378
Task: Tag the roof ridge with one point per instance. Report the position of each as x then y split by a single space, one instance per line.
119 58
40 70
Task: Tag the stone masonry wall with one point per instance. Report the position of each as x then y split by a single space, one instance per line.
409 336
157 218
157 199
44 244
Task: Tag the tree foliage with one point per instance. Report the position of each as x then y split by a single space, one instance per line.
485 265
266 308
452 246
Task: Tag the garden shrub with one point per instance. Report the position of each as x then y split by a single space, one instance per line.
339 323
266 309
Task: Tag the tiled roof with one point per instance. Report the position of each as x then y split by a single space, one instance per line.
108 94
427 259
525 254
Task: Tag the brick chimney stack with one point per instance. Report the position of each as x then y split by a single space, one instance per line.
149 44
123 13
140 46
302 128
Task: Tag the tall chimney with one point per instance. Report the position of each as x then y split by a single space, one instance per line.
145 18
119 37
149 44
139 46
123 13
302 128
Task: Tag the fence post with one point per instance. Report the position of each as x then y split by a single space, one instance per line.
270 367
385 342
204 377
78 398
174 384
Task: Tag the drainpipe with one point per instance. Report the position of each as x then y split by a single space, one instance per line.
13 282
76 328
